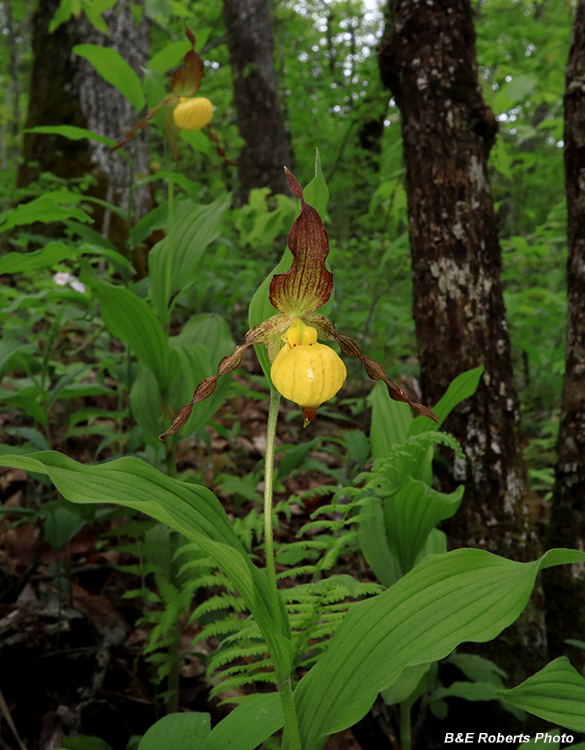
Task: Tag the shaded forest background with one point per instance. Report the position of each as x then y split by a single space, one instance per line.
443 135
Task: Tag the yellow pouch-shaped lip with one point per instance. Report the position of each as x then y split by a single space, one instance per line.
193 114
308 374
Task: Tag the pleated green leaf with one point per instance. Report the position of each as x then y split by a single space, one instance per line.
72 132
411 513
390 421
464 386
115 70
556 693
317 193
177 731
465 595
248 725
132 320
374 543
194 228
188 508
261 308
50 255
45 209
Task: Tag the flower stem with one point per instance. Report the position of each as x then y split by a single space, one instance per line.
405 736
268 484
284 679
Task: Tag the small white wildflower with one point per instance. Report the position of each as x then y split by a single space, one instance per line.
79 286
62 278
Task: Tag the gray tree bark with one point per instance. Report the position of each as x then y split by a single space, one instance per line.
251 51
565 588
108 113
66 90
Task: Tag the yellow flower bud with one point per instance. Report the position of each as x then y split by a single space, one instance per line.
306 372
193 114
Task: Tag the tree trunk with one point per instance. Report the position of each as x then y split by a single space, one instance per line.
251 51
66 90
428 60
565 589
53 100
108 113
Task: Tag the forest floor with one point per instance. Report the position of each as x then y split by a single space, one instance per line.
71 642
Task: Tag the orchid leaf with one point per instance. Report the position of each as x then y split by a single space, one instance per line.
261 308
71 132
464 386
132 320
248 725
317 192
45 209
374 543
194 229
188 508
115 70
464 595
179 731
390 421
411 513
50 255
169 56
556 693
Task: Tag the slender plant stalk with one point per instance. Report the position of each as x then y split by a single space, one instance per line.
173 677
170 248
405 733
268 485
284 681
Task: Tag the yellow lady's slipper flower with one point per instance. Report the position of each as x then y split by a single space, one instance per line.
306 372
193 114
303 370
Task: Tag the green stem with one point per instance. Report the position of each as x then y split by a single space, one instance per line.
291 725
169 263
173 677
405 736
284 679
268 484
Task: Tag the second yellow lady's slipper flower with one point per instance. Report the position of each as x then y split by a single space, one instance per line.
182 110
193 114
302 370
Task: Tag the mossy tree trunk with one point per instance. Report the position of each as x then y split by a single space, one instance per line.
565 588
428 60
251 51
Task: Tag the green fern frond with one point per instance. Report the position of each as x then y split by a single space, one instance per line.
264 666
248 632
218 628
220 602
236 683
138 569
209 580
146 594
298 571
226 655
324 489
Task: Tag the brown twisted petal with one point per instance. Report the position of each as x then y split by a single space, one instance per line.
374 369
260 334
